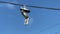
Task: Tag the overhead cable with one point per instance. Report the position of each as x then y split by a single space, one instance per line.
29 5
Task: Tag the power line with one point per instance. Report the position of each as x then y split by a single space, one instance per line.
29 6
10 3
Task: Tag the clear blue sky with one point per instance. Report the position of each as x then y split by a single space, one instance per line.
43 21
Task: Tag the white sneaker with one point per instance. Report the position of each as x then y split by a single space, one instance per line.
26 21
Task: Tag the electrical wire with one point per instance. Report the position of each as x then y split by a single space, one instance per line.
29 6
10 3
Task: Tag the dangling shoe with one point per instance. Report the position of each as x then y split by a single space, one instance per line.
26 21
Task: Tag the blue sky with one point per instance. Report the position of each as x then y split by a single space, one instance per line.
42 21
